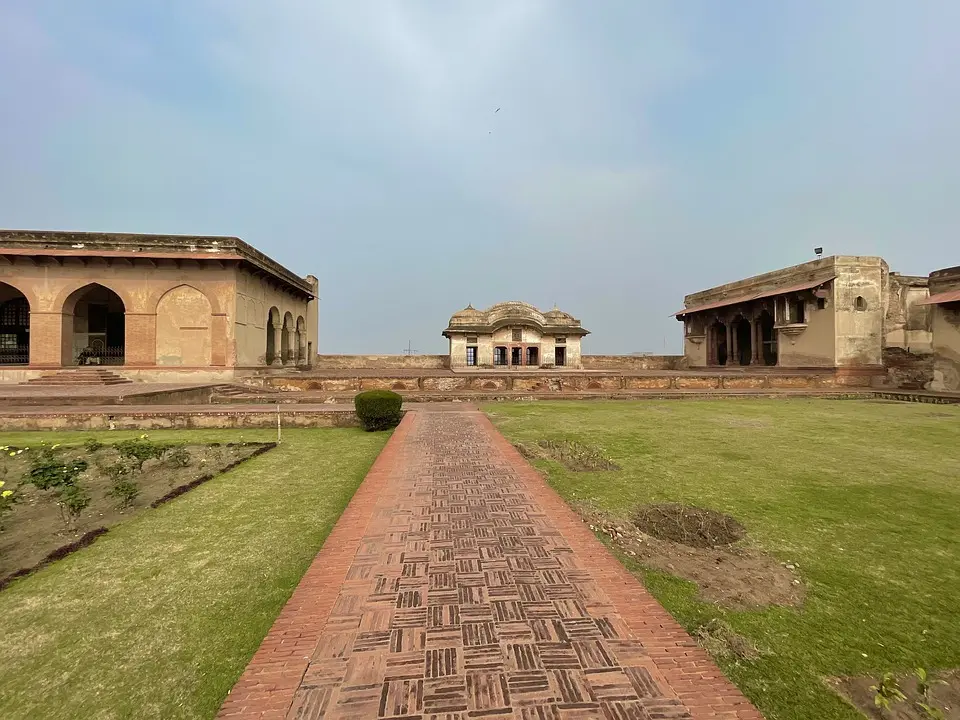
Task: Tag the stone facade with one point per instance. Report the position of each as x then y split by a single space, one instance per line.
839 311
514 334
156 306
944 302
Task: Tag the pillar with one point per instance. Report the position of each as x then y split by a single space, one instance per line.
755 342
277 345
46 339
730 355
218 339
140 339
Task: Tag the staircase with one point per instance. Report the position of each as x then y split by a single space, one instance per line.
73 377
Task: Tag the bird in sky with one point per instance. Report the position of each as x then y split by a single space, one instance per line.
496 111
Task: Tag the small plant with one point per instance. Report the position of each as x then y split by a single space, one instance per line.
887 692
92 445
378 409
124 490
7 500
178 457
48 471
140 450
73 501
925 703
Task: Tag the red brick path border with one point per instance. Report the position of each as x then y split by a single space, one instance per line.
268 685
687 668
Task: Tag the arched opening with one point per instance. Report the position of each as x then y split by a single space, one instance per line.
273 325
743 338
718 344
860 304
184 328
14 326
94 327
301 337
768 338
286 338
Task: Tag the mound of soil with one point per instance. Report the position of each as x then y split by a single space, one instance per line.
688 525
35 531
571 454
733 576
721 640
944 693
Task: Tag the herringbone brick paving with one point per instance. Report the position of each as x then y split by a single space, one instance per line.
467 589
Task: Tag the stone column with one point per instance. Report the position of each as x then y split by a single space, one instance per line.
755 342
140 339
46 339
277 346
730 355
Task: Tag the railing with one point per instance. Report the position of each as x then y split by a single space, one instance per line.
15 356
102 356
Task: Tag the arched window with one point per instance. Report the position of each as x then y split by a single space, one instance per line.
860 304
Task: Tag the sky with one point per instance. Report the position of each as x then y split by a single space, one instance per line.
642 150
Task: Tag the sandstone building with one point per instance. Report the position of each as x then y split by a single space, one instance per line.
158 307
840 311
514 334
944 301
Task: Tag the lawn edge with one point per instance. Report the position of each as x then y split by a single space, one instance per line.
268 684
688 669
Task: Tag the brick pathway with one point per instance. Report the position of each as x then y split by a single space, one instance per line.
458 585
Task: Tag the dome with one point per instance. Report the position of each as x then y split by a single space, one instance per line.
469 312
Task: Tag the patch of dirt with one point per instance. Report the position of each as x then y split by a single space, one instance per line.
36 530
688 525
721 640
733 576
569 453
944 694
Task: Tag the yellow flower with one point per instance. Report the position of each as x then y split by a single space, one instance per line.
6 493
12 453
2 483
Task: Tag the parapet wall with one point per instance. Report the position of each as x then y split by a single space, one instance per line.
382 362
633 362
442 362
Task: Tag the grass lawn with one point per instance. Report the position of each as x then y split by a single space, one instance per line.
863 496
159 617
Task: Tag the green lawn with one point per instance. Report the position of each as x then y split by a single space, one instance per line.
864 496
158 618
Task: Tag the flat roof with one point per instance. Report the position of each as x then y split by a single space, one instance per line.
58 243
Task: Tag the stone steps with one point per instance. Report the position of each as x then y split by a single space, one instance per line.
79 377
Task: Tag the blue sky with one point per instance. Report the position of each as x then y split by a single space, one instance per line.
643 150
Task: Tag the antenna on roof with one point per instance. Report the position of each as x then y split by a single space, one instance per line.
818 251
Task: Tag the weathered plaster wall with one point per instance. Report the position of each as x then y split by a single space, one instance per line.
632 362
946 347
908 324
386 362
946 331
859 332
814 347
256 295
52 289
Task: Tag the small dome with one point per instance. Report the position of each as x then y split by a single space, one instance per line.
468 312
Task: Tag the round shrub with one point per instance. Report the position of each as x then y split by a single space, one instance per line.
378 409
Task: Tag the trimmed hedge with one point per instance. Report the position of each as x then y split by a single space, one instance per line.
378 409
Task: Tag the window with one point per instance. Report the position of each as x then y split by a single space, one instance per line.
798 311
471 339
517 335
561 357
471 355
860 304
8 341
499 356
561 339
821 303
